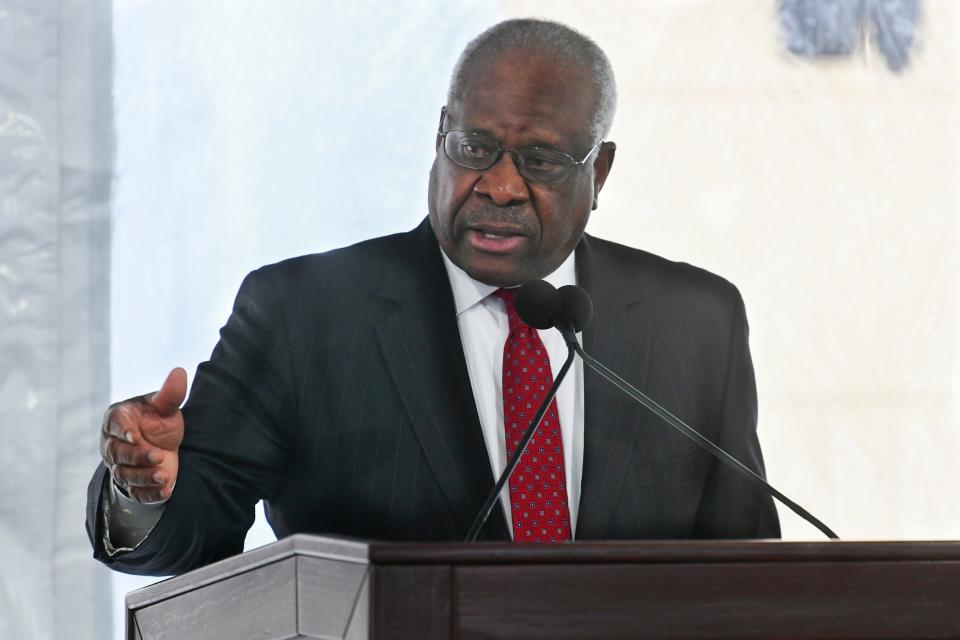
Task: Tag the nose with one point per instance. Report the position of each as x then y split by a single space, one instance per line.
502 183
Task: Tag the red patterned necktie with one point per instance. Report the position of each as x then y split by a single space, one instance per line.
538 485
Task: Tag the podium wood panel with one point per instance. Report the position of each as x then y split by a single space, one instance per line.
312 587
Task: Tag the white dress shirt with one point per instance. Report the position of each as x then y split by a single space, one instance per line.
484 327
483 324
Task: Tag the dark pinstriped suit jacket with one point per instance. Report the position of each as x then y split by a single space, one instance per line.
339 394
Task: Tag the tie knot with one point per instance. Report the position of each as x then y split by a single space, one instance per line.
507 295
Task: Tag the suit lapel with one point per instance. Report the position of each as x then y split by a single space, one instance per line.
422 348
421 344
615 337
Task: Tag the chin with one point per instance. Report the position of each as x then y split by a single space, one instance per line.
493 275
494 278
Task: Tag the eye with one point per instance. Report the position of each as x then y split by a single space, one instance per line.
539 161
543 164
477 148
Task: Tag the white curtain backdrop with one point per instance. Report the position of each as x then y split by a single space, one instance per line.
56 150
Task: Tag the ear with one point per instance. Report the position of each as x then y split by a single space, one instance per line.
443 115
601 168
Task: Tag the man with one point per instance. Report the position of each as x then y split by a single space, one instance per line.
368 391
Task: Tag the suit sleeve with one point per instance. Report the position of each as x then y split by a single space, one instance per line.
732 506
237 440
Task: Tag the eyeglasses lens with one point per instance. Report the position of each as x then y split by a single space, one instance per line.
479 153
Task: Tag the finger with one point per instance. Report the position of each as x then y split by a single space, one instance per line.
128 476
122 421
173 391
149 494
116 451
165 433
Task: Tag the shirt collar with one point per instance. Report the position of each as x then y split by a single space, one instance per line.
468 292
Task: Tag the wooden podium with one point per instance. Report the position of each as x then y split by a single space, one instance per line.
313 587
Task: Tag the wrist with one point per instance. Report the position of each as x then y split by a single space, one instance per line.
123 498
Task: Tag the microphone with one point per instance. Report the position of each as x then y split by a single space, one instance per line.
539 304
576 307
543 306
575 312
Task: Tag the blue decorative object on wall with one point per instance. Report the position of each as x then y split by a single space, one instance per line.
819 28
893 24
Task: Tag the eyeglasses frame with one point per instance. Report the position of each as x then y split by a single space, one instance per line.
574 163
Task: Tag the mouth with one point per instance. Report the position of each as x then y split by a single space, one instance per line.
495 239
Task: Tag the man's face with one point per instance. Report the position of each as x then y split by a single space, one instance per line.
501 229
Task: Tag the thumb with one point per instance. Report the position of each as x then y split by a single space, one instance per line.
172 392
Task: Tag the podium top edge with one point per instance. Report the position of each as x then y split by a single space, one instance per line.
329 548
665 551
504 553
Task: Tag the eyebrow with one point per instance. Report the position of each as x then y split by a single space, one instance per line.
537 142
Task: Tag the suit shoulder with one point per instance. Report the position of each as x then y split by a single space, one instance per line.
350 265
377 249
310 282
669 280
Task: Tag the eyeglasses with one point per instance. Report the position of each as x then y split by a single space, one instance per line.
479 152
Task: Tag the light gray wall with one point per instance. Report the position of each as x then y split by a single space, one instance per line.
828 190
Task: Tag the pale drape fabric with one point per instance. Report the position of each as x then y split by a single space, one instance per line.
56 147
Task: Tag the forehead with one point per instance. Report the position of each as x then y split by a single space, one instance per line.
527 99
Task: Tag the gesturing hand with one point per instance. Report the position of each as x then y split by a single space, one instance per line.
140 440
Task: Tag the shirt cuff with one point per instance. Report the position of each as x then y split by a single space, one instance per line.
126 522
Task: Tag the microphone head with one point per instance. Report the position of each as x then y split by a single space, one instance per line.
576 306
538 304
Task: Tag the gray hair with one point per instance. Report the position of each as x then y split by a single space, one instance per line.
552 39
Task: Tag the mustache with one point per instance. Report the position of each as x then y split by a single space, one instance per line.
519 216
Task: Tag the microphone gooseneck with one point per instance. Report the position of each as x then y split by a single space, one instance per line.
576 310
694 435
484 514
540 305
